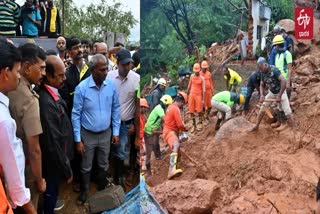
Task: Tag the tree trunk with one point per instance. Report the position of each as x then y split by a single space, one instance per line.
250 32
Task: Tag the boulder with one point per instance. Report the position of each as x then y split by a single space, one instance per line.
314 78
303 80
303 46
305 69
304 3
197 196
287 24
238 125
316 31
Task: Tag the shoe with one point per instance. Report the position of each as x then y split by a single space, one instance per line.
282 127
59 205
102 179
85 186
160 157
118 175
173 171
199 126
206 122
276 124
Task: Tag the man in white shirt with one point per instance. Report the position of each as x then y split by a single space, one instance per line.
12 158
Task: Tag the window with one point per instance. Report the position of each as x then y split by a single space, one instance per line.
259 32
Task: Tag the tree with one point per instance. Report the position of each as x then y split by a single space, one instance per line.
91 21
177 14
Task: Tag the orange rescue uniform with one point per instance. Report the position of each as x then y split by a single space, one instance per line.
142 124
4 203
196 88
172 124
209 88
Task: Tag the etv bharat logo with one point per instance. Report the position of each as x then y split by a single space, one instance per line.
304 23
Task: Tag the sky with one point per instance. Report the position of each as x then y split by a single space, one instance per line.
128 5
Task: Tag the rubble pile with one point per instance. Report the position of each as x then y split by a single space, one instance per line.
235 171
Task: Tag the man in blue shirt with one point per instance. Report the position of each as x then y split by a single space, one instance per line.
31 19
96 104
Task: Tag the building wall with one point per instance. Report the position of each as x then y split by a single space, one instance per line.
258 22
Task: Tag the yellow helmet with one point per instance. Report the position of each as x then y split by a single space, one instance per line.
278 39
166 99
242 99
162 81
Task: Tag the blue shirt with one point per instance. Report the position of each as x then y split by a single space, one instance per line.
28 28
94 108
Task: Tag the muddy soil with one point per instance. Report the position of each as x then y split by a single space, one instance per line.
263 172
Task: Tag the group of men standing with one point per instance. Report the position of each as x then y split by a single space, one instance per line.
37 18
200 90
61 113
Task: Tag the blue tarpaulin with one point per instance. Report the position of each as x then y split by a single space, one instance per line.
138 200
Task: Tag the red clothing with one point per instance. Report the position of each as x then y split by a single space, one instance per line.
142 124
209 88
208 80
172 119
196 85
4 203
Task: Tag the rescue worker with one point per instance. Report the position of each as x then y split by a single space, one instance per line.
283 61
157 93
233 79
271 76
272 56
173 125
287 41
143 109
196 91
151 130
205 73
253 83
223 102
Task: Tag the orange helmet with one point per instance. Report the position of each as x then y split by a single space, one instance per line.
184 95
144 103
204 64
196 67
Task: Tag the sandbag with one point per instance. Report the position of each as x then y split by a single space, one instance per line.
107 199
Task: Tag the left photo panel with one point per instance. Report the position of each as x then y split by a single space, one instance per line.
69 106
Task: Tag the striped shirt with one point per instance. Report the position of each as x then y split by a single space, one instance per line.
9 16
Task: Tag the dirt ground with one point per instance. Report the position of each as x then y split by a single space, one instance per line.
263 172
253 170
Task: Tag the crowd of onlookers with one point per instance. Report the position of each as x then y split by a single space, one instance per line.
66 115
32 19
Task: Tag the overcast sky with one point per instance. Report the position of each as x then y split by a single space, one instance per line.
128 5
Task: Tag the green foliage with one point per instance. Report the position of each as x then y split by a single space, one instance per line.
91 21
283 9
210 21
173 74
202 50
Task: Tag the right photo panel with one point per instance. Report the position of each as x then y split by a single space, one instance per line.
229 107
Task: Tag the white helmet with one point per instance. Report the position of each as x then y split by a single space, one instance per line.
162 81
